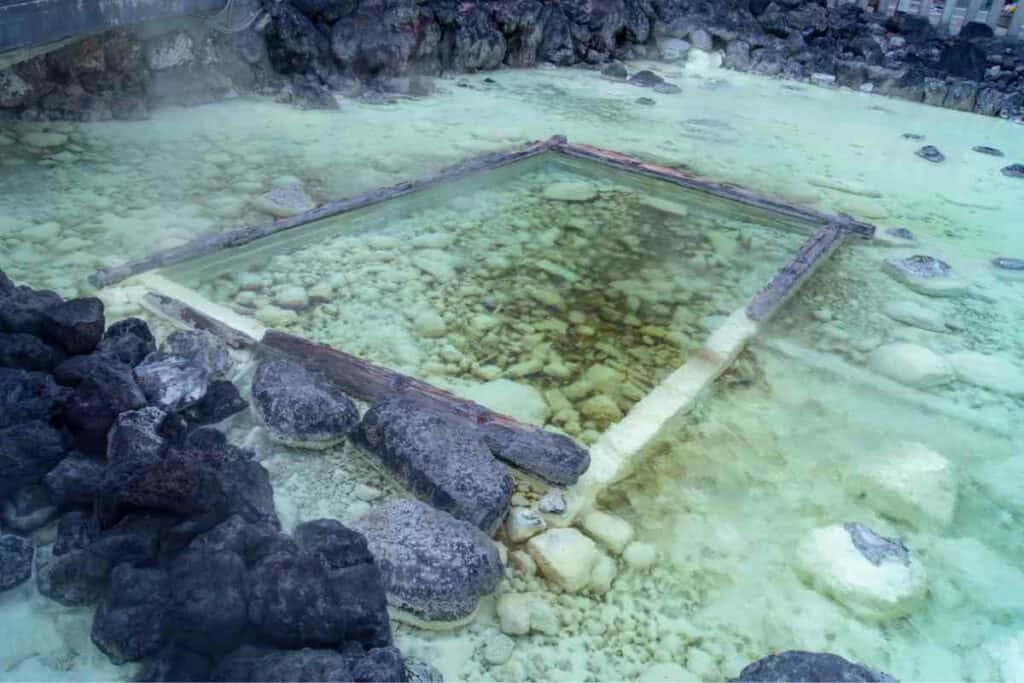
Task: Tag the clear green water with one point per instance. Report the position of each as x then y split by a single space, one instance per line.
727 492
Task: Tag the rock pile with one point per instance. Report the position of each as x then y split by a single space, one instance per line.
161 523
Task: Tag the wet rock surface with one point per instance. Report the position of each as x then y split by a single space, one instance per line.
15 560
931 153
1013 171
433 565
810 666
301 407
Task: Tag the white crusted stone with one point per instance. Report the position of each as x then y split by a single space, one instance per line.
916 315
565 556
911 483
912 365
990 372
614 533
603 574
498 649
639 555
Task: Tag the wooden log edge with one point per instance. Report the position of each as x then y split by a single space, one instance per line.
725 190
234 238
812 253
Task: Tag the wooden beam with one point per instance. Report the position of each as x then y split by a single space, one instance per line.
206 245
844 223
808 258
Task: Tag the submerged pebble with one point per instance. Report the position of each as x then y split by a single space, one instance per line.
988 151
1013 171
931 153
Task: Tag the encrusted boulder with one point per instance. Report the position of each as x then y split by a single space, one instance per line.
27 452
220 402
925 274
28 352
172 382
103 389
809 667
27 396
75 325
129 622
207 348
128 341
434 566
440 459
15 560
300 407
873 576
249 663
207 607
24 310
553 457
75 480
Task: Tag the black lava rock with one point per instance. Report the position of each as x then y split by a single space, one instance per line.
27 452
128 341
964 59
76 480
221 401
207 611
75 579
616 70
24 309
129 622
338 545
28 352
250 663
175 663
646 79
76 529
810 667
7 287
301 407
15 560
554 457
27 396
75 325
1013 171
252 542
381 664
105 389
930 153
29 508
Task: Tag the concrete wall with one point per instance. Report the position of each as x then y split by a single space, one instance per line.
28 27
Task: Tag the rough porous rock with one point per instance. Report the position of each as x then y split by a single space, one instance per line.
24 310
550 456
129 622
809 667
433 565
874 577
912 365
207 606
28 352
203 346
249 663
74 579
27 452
300 407
128 341
75 325
15 560
26 396
172 382
440 459
565 556
29 508
220 402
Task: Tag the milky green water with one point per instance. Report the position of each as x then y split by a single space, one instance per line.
727 492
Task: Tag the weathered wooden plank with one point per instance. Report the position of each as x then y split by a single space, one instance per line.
235 238
995 11
734 192
811 254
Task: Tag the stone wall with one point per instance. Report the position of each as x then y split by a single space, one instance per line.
305 51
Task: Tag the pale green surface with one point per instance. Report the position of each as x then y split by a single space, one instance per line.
726 500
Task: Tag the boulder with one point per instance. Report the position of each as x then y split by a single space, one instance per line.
614 533
76 529
565 556
15 560
128 341
129 622
873 576
912 365
250 663
440 459
27 396
383 664
553 457
76 578
297 600
75 480
75 325
207 605
206 348
28 352
964 59
616 71
300 407
645 79
911 483
27 452
809 667
172 382
104 388
24 310
250 541
336 544
990 372
925 274
220 402
29 508
433 565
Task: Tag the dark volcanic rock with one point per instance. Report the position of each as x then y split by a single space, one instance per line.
296 600
76 529
220 402
29 508
667 88
75 325
15 560
810 667
202 346
645 101
250 663
988 151
964 59
207 611
901 233
433 565
877 549
27 452
74 579
300 407
1013 171
252 542
7 287
129 341
76 480
976 30
1005 263
129 622
28 352
441 460
24 310
554 457
105 389
930 153
382 664
338 545
175 663
136 437
136 538
172 382
616 70
26 396
646 79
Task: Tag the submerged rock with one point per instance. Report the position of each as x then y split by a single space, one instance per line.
990 372
1013 171
1005 263
988 151
565 556
29 508
26 396
285 201
925 274
300 407
27 452
930 153
873 576
614 533
129 622
28 352
128 341
553 457
434 566
646 79
249 663
809 667
75 325
910 364
172 382
207 600
220 402
910 483
206 348
615 70
570 192
916 315
667 88
440 459
15 560
522 524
